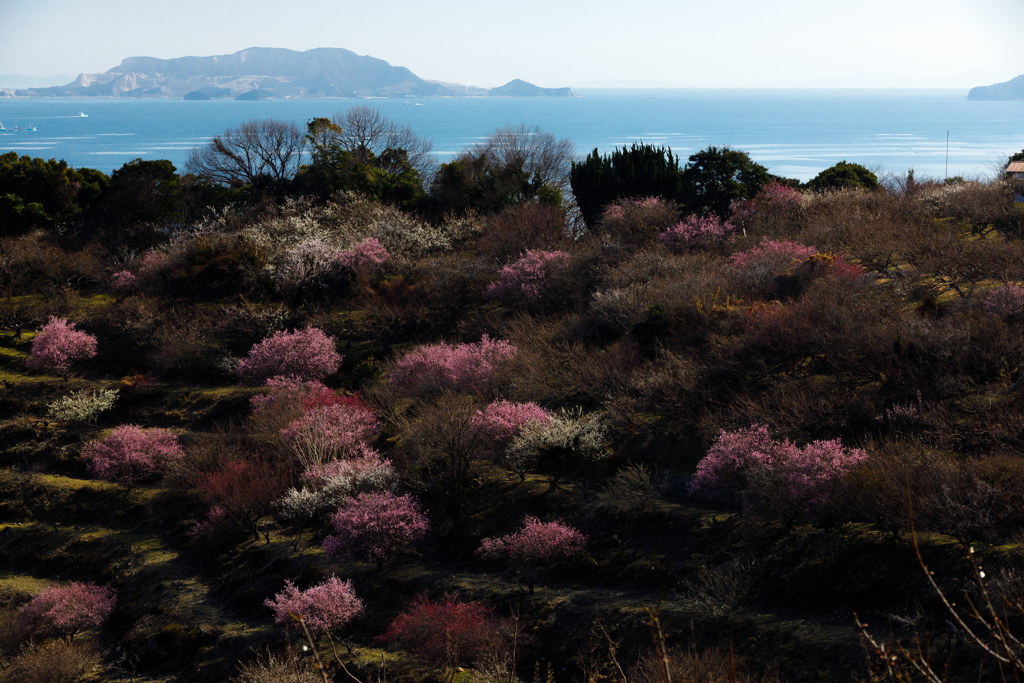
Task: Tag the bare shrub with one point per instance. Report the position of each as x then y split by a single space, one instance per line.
243 155
270 668
53 661
630 490
710 665
506 235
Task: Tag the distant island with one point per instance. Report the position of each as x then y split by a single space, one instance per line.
1012 89
262 73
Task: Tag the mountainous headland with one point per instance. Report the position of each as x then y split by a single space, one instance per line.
263 73
1012 89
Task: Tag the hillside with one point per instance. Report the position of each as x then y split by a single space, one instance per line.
518 437
1010 90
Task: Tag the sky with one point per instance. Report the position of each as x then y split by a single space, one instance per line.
551 43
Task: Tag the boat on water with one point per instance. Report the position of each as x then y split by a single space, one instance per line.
2 126
19 129
82 115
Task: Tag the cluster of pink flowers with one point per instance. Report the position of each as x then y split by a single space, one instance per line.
694 229
371 526
307 354
501 421
63 611
617 210
742 461
368 255
325 433
323 607
523 283
57 345
774 201
776 256
460 367
131 455
286 391
362 473
1006 300
536 543
124 282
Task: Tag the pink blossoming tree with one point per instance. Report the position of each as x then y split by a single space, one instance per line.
535 547
307 354
368 255
456 367
63 611
774 202
774 476
501 421
324 607
525 282
330 432
131 455
58 345
697 230
372 526
1004 301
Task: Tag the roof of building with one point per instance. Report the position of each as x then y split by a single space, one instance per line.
1015 167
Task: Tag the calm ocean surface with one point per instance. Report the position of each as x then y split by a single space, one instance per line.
795 133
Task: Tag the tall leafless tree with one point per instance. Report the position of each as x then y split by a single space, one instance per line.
365 133
539 153
239 156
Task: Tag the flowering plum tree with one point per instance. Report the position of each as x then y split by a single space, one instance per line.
565 440
124 282
243 491
774 476
449 632
371 527
1005 301
330 432
368 255
57 345
458 367
536 546
501 421
775 202
131 455
307 354
324 607
63 611
524 282
309 268
698 230
758 267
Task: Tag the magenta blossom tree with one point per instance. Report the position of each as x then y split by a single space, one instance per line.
307 354
330 432
773 202
501 421
457 367
524 282
1004 301
63 611
771 475
58 345
324 607
372 526
131 455
535 547
368 255
697 230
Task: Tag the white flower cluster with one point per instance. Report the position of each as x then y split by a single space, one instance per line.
82 406
568 434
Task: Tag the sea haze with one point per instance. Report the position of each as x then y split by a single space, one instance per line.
795 133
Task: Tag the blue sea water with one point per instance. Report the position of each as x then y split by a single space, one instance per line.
795 133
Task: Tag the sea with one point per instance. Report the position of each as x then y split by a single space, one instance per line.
794 133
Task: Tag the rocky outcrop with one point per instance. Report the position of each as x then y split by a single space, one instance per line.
1010 90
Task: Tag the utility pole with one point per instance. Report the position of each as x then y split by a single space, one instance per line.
947 155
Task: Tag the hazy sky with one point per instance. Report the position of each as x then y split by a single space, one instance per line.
703 43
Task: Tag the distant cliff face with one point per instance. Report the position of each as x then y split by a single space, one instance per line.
261 72
1010 90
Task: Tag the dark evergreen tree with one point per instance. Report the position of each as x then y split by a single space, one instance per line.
717 176
638 171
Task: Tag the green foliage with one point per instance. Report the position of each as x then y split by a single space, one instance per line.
473 182
35 193
388 177
143 191
638 171
717 176
1019 156
845 174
